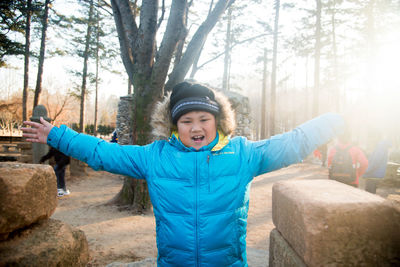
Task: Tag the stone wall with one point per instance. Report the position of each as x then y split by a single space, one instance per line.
244 122
327 223
124 116
240 104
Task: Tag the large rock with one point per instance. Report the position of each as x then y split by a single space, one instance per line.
281 253
46 243
28 193
328 223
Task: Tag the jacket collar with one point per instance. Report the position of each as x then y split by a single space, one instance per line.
217 144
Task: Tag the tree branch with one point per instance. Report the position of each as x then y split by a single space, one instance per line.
145 43
230 48
104 4
162 14
194 46
174 32
124 31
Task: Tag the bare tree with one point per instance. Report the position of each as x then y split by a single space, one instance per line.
26 57
148 67
274 70
45 22
317 58
57 104
85 68
97 69
227 59
10 114
335 57
264 115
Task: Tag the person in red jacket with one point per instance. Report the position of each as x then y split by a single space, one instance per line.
360 161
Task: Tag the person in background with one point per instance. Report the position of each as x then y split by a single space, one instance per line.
114 137
199 179
59 168
378 160
358 162
377 163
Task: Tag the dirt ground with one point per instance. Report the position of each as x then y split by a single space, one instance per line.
115 235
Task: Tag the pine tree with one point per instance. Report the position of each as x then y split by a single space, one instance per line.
26 57
12 20
274 70
45 22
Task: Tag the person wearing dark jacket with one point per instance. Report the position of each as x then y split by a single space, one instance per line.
61 164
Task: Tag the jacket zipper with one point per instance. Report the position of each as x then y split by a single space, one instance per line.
208 173
196 217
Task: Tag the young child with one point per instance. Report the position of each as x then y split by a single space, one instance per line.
199 180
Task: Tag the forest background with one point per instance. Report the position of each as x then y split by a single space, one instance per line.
293 59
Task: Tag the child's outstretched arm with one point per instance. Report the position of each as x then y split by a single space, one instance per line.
97 153
291 147
38 132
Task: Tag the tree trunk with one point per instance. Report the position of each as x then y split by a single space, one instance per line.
85 69
26 64
38 88
195 65
317 58
264 120
306 94
181 43
138 59
371 46
274 70
335 65
227 59
129 86
97 71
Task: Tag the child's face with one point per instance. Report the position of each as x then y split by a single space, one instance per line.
197 129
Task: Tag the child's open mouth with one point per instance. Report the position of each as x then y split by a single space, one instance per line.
198 138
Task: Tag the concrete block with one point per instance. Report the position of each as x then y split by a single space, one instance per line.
329 223
280 252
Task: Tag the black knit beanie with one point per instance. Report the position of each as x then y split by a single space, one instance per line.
187 97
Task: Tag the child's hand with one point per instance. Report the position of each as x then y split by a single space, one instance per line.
38 132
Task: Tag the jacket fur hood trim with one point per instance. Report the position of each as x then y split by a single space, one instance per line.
161 120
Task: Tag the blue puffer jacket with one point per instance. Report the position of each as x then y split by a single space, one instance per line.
200 198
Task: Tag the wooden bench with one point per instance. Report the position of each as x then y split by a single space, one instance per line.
6 147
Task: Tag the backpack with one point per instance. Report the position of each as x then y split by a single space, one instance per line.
342 168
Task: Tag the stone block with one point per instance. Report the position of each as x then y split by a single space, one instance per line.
28 193
329 223
280 252
46 243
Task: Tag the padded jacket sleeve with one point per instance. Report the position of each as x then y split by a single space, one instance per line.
284 149
100 155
